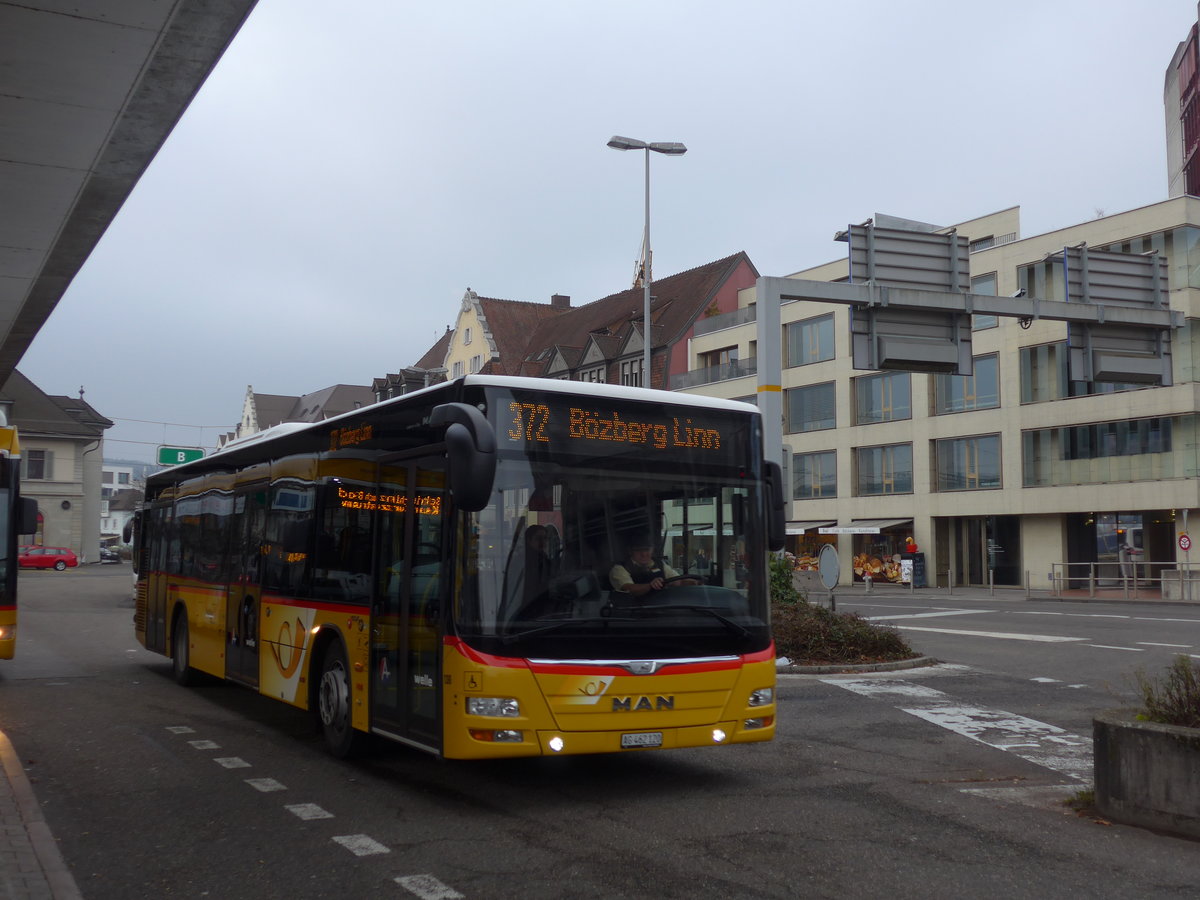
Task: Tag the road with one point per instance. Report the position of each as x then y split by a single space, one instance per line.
154 790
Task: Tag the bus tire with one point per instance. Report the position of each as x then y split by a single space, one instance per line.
333 702
180 652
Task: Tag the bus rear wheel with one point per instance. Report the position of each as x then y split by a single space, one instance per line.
180 653
333 703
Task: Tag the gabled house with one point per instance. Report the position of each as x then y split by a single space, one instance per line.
62 453
600 341
261 411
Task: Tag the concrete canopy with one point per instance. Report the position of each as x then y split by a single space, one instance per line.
88 94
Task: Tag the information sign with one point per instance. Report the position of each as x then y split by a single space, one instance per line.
177 456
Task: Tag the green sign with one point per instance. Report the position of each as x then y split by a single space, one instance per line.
174 456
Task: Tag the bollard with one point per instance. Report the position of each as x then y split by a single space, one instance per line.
867 583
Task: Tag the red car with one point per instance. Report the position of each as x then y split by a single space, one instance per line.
46 558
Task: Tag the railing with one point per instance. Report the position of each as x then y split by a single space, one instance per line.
725 320
739 369
1168 580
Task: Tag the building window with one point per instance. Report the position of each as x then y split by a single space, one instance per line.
986 285
960 393
724 357
1108 452
631 372
882 398
808 341
883 470
457 372
38 465
810 408
595 376
106 477
467 337
476 362
814 475
122 478
968 464
1045 376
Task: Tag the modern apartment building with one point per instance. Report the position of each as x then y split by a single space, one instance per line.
1008 474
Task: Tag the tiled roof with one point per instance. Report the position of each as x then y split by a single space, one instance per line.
36 412
510 323
435 356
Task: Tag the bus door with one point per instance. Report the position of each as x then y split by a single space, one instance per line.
406 615
157 540
245 583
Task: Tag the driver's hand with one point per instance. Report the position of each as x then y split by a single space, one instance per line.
657 584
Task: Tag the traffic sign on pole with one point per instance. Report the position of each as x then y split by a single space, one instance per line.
1185 543
176 456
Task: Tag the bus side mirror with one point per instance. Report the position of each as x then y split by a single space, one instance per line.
26 516
470 454
776 506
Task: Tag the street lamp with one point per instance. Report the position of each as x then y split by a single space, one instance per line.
670 148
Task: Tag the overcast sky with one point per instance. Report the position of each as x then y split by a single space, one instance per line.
348 171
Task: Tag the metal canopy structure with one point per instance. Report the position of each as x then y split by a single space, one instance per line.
911 311
88 95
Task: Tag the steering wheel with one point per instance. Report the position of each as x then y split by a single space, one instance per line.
678 578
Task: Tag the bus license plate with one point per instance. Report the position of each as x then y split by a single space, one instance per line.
642 739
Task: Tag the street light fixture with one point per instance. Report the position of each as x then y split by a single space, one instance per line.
669 148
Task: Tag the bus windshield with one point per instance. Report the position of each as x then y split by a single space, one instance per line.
537 567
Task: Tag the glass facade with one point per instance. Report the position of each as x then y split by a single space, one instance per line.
1151 449
883 470
984 284
1044 376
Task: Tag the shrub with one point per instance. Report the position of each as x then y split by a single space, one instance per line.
1172 698
783 589
814 634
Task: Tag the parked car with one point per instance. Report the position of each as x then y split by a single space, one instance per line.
110 555
46 558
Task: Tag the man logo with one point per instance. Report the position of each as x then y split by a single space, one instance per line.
627 704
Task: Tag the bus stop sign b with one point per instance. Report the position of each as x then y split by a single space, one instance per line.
176 456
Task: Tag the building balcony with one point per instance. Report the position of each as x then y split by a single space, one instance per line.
740 369
725 320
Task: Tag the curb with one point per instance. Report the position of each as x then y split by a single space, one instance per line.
848 668
45 848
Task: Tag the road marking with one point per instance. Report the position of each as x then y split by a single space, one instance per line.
265 784
929 615
1110 647
231 762
307 811
1046 680
361 845
180 729
205 745
1038 742
1045 638
428 888
1156 644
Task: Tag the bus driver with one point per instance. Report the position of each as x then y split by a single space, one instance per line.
640 573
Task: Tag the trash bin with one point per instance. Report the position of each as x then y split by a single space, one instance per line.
918 567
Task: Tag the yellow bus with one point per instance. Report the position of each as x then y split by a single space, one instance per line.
438 569
18 515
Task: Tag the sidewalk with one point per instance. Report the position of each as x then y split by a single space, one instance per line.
858 593
31 868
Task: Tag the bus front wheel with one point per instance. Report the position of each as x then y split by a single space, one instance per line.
333 702
180 652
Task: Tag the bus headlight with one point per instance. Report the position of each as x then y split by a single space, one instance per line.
762 697
500 736
503 707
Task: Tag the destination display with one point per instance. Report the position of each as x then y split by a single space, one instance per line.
586 426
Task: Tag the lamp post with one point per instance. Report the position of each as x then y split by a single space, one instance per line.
670 148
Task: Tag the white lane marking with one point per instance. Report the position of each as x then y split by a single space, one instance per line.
1038 742
428 888
231 762
265 784
1156 644
929 615
180 729
361 845
307 811
1044 638
1046 680
205 745
1110 647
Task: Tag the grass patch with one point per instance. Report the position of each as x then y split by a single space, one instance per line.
1173 697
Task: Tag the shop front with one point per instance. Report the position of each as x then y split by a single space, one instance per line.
879 548
804 542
